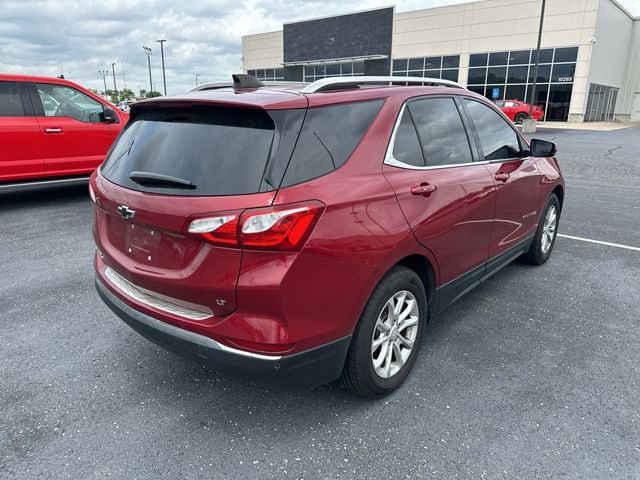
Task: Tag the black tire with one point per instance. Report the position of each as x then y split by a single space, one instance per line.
536 254
521 117
359 374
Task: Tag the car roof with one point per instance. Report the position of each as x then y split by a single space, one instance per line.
276 97
16 77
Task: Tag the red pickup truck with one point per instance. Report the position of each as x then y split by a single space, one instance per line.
52 131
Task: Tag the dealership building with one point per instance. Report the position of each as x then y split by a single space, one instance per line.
589 67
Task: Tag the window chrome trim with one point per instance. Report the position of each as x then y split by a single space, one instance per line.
390 160
149 298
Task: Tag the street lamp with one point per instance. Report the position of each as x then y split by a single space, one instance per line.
532 127
197 75
104 74
147 50
164 80
115 87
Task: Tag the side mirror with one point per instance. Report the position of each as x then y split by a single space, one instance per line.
109 116
542 148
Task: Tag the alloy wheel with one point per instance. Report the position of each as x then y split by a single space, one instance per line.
549 229
394 334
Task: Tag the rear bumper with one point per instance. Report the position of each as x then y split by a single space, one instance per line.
311 367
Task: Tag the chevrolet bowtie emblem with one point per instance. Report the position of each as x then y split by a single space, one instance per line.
125 212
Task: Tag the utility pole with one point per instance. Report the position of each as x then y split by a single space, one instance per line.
104 74
535 70
197 75
147 50
164 79
115 88
123 77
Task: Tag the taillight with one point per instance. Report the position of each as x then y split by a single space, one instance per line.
285 227
221 230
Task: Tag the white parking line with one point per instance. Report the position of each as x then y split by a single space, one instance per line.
626 247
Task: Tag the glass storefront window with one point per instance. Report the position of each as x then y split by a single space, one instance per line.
497 75
478 59
452 61
520 58
498 58
566 55
563 72
477 76
511 73
518 74
432 67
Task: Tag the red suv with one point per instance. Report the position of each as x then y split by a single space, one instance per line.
52 131
518 111
310 232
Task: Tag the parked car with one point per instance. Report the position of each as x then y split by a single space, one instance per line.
310 232
125 105
52 131
518 111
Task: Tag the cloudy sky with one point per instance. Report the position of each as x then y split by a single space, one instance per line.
81 37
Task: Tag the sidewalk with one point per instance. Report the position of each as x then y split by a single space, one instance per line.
598 126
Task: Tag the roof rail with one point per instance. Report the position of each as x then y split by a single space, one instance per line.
338 83
210 86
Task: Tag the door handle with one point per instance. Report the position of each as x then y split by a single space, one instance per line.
423 189
52 130
502 177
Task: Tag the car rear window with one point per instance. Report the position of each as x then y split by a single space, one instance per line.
221 151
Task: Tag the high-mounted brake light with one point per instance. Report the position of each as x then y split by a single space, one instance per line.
285 227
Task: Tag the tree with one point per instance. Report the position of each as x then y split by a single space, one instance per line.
146 94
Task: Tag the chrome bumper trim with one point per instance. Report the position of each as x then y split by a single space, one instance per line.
147 298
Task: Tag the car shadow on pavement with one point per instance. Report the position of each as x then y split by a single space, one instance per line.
43 196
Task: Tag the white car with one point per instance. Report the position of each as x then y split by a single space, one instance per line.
124 105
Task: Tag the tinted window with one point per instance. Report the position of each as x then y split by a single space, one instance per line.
62 101
10 103
328 137
497 138
406 148
497 75
498 58
477 75
520 58
566 54
478 59
222 151
518 74
452 61
441 131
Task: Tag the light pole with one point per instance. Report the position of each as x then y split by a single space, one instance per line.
164 79
535 67
104 74
115 87
197 75
147 50
123 76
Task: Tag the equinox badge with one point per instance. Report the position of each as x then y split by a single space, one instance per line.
126 212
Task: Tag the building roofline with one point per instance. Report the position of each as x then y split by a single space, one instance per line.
393 7
617 4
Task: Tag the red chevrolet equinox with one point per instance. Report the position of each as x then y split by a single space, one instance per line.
310 232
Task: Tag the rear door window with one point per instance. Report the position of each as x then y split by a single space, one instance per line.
406 146
221 151
441 131
10 101
328 137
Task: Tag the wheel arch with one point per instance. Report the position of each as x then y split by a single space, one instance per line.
559 191
424 269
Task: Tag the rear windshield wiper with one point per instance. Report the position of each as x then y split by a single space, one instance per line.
160 180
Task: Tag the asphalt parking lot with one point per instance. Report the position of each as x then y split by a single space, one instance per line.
535 374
